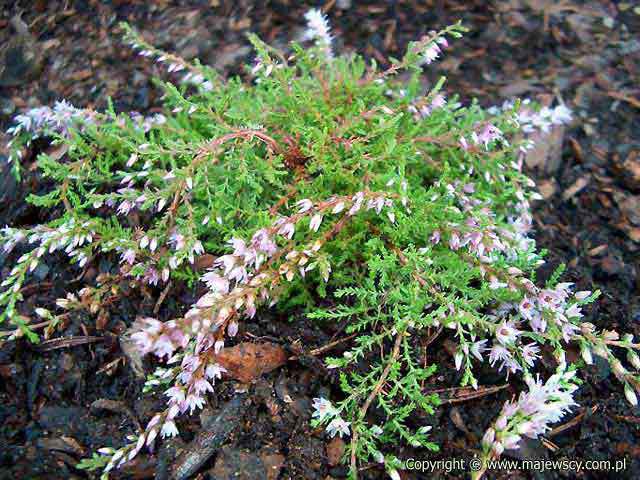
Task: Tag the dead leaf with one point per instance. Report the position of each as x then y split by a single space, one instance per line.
335 450
204 261
248 361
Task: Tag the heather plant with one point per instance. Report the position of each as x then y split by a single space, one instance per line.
325 186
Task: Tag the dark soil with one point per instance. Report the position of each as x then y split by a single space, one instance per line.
587 53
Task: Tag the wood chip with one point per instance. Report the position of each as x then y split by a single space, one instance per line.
577 186
594 252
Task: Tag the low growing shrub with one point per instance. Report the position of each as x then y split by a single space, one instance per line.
323 186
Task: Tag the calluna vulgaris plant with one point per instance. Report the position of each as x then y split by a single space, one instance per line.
323 181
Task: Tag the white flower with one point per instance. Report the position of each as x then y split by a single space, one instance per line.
586 355
323 409
477 348
318 29
214 371
495 284
304 205
169 429
631 395
193 402
582 295
561 114
339 426
458 357
506 333
338 207
393 474
316 220
530 353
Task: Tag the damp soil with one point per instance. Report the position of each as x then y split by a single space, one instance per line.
61 400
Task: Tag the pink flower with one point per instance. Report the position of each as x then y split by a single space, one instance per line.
192 402
530 353
488 134
176 394
526 308
232 329
263 242
201 386
163 346
144 341
287 230
498 353
574 311
549 299
316 220
214 371
438 101
216 283
431 53
357 203
506 333
537 322
151 276
568 330
125 207
495 284
304 205
454 241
